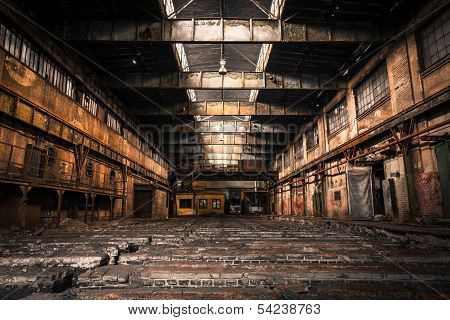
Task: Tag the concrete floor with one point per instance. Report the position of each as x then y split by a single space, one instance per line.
224 258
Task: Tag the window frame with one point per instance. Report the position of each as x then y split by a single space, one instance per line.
299 150
425 51
181 201
342 117
203 203
287 158
113 123
315 132
371 81
217 203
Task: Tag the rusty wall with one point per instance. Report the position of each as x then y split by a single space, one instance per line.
57 171
410 87
30 87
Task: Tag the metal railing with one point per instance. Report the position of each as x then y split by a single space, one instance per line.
33 164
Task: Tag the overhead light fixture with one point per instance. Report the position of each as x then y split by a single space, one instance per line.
223 70
223 62
136 58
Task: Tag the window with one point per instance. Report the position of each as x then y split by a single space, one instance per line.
185 203
337 117
112 122
11 41
337 196
91 105
51 156
203 203
374 89
89 169
434 40
156 157
127 135
287 158
312 137
37 162
112 178
29 56
278 164
216 203
298 150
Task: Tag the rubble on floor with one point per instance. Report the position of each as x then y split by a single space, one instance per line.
222 258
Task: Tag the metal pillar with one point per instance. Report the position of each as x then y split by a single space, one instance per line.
111 208
93 206
58 210
23 203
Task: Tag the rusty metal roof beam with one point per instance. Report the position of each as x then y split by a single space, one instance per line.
220 31
230 139
232 127
223 149
230 81
223 156
227 108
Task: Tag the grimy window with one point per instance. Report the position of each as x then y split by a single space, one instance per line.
278 164
216 203
373 90
287 159
185 203
113 123
434 40
203 203
299 150
337 117
312 137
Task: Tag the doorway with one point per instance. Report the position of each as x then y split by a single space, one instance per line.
143 201
378 197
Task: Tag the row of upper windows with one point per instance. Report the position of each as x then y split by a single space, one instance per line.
434 47
203 203
35 59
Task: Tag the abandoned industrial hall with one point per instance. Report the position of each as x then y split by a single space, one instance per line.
224 149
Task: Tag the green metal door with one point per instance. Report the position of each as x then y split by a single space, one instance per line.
443 161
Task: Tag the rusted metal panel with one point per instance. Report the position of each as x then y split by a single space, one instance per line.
226 139
40 120
232 127
230 81
6 103
215 30
223 149
24 112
